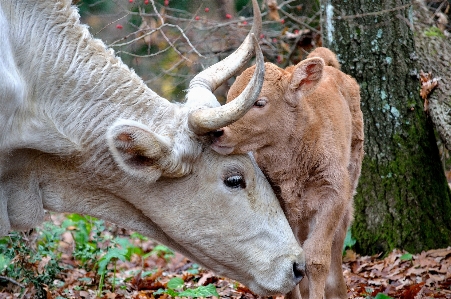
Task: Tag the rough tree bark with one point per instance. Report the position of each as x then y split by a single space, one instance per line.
403 199
434 51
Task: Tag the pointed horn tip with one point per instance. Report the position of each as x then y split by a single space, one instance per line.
201 121
257 25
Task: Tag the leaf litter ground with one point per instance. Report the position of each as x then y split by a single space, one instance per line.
398 275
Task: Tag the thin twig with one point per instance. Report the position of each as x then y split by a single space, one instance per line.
126 37
144 56
110 24
164 35
299 21
12 281
113 44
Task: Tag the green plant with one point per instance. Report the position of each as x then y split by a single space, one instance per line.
349 241
176 288
369 294
161 251
87 233
382 296
36 257
406 257
122 252
434 31
194 269
27 262
4 262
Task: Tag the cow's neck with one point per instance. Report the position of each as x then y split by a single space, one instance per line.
74 87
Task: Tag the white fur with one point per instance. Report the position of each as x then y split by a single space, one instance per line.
62 94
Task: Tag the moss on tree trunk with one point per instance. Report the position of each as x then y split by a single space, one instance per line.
403 199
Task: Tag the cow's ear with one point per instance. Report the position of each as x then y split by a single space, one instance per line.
137 150
306 76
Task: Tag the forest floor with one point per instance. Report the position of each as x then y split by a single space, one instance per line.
151 266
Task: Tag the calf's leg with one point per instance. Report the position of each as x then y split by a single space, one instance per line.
329 203
335 283
294 294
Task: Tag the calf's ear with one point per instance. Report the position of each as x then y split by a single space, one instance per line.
306 76
138 150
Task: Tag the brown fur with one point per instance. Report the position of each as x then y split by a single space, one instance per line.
308 140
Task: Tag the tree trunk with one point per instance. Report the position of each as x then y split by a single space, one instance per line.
403 200
434 51
225 8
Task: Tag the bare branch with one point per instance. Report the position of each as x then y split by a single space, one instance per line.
12 281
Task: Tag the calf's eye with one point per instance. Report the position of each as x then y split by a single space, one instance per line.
260 103
235 181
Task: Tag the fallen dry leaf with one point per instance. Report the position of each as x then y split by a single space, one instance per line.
428 274
427 86
424 275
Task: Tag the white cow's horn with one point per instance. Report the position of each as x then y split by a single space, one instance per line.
207 120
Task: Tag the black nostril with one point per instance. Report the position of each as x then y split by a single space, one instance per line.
299 271
218 133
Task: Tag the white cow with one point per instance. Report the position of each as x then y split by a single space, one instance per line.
82 133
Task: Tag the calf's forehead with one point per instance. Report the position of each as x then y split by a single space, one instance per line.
274 81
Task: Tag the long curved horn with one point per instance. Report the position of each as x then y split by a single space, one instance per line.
206 120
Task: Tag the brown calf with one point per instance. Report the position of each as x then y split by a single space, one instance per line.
306 131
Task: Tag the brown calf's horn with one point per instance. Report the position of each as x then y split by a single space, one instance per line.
206 120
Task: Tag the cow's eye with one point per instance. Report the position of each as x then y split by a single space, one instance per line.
235 181
260 103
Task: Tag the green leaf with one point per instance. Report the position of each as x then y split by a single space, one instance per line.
406 257
4 262
159 292
175 283
129 247
161 251
172 293
118 253
202 291
194 269
382 296
147 273
75 217
349 240
138 236
434 31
